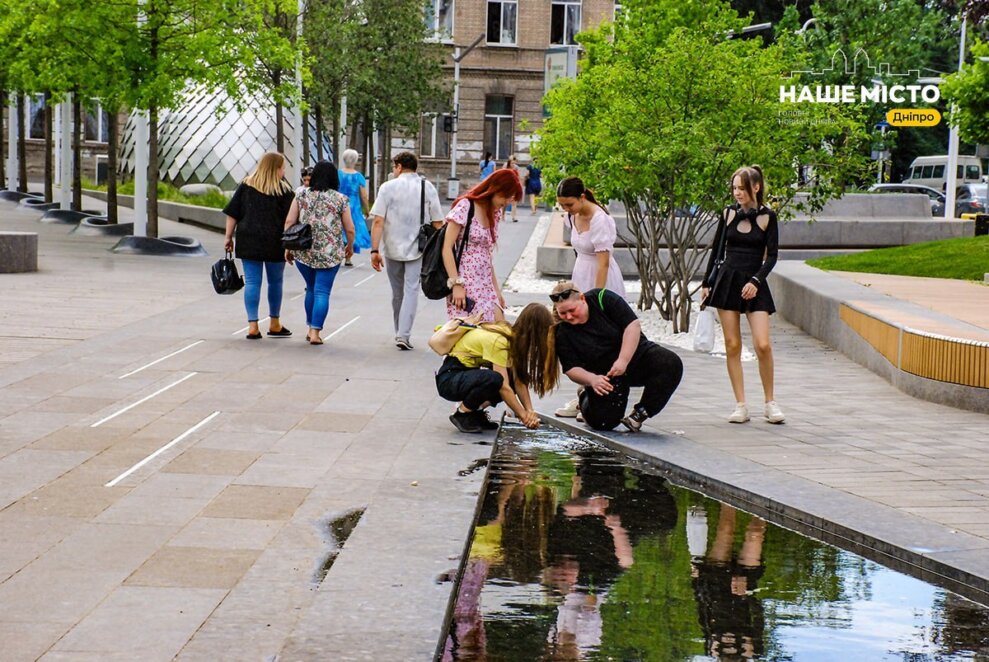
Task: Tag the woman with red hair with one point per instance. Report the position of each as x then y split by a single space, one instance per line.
472 278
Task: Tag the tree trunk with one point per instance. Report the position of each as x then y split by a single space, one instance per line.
3 129
305 140
153 171
319 136
371 165
49 148
279 128
21 146
76 153
113 137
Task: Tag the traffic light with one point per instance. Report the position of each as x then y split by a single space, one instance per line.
448 123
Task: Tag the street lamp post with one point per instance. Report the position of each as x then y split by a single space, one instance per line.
952 180
453 184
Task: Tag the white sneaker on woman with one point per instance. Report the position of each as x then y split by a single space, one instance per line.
773 412
740 415
569 410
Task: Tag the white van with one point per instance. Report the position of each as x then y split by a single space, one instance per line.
932 171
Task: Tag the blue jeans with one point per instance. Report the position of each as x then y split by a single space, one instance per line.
252 287
319 284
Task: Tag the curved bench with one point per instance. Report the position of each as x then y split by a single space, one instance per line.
18 252
17 196
68 216
101 226
159 246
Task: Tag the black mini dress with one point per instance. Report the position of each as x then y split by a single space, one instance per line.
749 257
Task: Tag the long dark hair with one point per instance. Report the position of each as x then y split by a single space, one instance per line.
532 349
324 177
573 187
751 175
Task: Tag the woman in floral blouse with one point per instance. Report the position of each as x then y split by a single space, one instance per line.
328 212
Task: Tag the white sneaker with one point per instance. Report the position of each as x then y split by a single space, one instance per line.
773 412
740 415
569 410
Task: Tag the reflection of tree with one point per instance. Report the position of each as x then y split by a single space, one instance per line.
964 626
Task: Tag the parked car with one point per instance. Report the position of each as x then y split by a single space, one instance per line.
936 197
972 199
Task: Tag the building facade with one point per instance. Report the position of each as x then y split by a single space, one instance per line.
502 81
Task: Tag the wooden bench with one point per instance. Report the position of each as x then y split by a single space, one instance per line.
18 252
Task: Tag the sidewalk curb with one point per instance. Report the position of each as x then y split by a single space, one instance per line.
903 542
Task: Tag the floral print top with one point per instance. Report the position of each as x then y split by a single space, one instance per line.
323 210
476 268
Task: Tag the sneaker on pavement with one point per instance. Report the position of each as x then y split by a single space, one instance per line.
483 421
569 410
635 419
464 421
773 412
403 343
740 415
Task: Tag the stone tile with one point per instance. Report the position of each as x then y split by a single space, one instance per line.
262 422
334 422
290 470
149 623
24 538
256 442
188 486
256 502
28 641
68 500
194 567
211 461
97 547
79 438
60 597
220 533
155 510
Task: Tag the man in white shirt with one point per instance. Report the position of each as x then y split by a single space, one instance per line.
402 205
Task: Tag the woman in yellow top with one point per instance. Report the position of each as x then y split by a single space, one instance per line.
500 362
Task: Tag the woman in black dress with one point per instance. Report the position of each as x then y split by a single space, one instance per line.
750 234
256 213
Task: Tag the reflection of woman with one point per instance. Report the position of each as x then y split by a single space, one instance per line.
752 242
326 211
256 215
475 278
730 615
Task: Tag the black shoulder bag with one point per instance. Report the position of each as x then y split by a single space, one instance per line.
426 229
433 276
719 262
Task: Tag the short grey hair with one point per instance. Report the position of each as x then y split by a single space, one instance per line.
350 157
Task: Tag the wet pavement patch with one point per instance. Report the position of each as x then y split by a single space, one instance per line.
581 552
337 529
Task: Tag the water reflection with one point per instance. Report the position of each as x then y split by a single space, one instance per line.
580 553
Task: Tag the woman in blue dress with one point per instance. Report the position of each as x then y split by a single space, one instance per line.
354 186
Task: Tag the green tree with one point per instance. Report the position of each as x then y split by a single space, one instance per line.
665 108
968 91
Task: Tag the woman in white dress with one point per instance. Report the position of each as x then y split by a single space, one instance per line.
592 235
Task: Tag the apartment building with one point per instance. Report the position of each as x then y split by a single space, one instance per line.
502 81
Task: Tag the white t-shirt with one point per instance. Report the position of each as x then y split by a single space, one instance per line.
398 204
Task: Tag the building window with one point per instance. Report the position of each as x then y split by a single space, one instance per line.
565 22
96 123
439 19
502 19
434 140
498 126
35 116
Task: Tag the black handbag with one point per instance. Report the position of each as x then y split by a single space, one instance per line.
226 280
433 277
426 230
297 237
719 262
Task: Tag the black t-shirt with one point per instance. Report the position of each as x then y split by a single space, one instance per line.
595 344
260 222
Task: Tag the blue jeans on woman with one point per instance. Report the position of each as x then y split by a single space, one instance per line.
319 283
252 287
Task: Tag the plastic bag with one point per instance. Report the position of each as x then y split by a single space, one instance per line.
704 331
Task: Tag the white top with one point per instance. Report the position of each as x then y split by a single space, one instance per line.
600 237
398 204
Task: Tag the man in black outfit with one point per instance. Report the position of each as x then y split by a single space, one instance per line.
601 347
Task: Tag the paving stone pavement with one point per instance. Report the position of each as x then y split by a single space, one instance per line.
215 548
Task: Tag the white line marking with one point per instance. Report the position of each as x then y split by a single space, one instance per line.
163 449
134 372
142 400
246 328
365 280
341 328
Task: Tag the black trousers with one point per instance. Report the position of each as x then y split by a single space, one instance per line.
656 368
472 386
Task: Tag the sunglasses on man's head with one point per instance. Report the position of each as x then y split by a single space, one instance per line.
561 296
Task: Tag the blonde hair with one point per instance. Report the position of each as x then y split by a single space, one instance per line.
265 177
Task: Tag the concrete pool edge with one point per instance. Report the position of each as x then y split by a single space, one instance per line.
918 547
